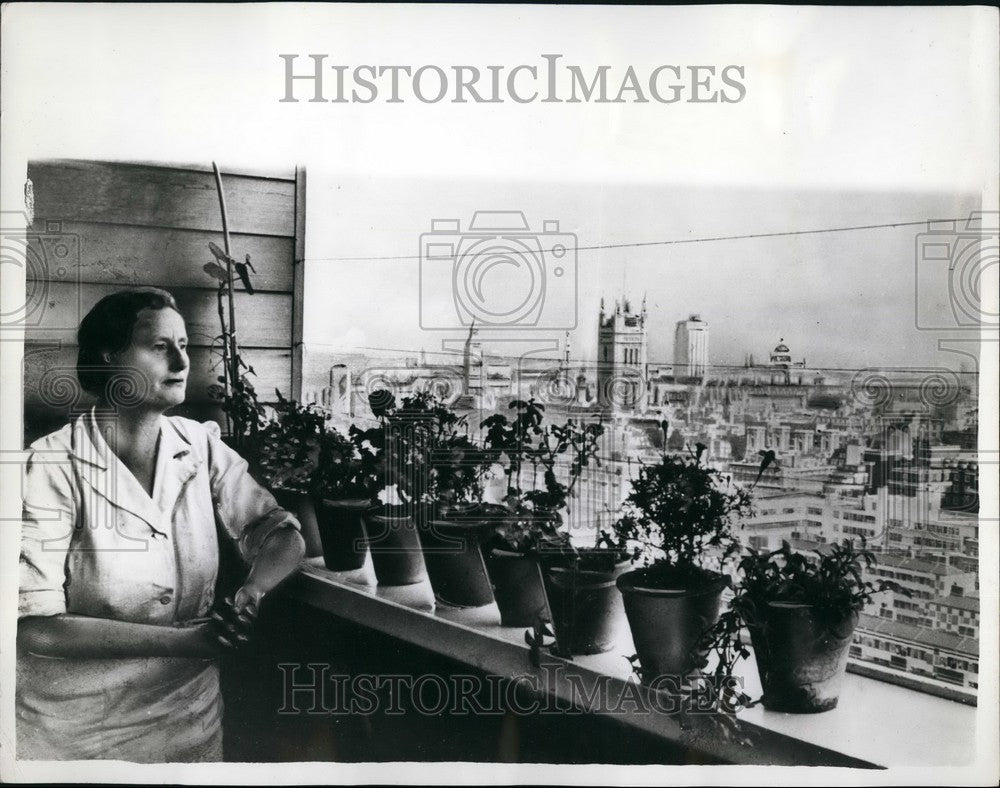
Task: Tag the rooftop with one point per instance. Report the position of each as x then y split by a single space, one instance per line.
808 545
791 494
916 565
935 638
957 602
958 514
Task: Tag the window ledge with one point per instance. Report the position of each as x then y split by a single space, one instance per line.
925 730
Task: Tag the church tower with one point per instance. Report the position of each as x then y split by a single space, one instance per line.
622 358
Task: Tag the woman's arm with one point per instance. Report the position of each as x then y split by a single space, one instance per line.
267 537
85 637
279 556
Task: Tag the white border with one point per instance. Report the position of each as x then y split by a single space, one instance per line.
225 112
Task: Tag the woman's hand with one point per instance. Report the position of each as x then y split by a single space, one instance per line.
246 601
203 640
233 620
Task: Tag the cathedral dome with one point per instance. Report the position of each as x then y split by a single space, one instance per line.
781 356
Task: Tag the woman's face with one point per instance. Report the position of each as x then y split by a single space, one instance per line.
157 359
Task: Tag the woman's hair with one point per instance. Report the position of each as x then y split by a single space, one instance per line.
108 327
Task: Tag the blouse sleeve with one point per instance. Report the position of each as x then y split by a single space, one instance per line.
247 511
49 514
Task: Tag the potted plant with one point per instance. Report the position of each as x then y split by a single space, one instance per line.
585 606
528 535
343 486
800 612
285 455
678 522
456 521
397 450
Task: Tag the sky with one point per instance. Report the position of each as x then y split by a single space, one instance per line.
850 117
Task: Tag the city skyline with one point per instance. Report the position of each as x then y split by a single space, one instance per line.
564 351
748 262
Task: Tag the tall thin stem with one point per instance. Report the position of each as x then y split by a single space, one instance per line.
225 355
234 372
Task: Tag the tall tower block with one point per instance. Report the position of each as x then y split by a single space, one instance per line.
691 348
622 358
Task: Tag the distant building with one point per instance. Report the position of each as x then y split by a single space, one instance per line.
923 580
622 358
781 357
956 613
935 654
335 396
339 391
691 348
783 517
781 369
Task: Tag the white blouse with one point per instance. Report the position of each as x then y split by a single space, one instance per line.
95 543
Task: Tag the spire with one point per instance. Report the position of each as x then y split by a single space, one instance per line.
467 359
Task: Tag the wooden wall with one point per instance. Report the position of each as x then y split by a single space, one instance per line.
102 226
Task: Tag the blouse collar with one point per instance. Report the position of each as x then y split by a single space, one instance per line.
93 456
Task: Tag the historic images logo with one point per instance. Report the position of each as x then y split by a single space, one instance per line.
525 83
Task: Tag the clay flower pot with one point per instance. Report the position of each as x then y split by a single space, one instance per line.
301 505
342 532
668 619
394 544
452 544
518 587
801 660
587 610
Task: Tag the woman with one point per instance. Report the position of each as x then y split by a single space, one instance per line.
118 629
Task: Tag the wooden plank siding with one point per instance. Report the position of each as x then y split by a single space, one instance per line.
262 318
104 226
161 197
50 375
130 255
